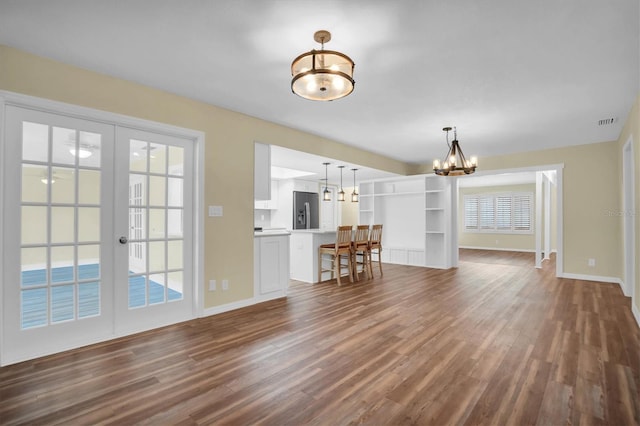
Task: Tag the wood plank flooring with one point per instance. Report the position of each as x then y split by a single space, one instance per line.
487 343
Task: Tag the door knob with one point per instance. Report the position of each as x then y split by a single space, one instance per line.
123 240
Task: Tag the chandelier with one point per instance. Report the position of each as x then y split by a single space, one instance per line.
322 75
454 163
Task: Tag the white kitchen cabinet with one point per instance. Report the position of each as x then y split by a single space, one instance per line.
272 203
262 172
270 265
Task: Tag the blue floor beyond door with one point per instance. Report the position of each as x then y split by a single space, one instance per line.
34 300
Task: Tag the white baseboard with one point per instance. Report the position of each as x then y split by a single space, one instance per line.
497 249
597 278
228 307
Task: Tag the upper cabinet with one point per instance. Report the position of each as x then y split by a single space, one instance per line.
262 172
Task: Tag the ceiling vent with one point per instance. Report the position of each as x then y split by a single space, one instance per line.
607 121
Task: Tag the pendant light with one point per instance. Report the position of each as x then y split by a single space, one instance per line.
450 165
354 194
322 75
326 194
341 193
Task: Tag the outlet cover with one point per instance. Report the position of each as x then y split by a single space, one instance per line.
592 262
212 285
225 284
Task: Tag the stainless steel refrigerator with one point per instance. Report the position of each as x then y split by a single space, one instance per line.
305 210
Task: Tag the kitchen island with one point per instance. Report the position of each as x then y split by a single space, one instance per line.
304 253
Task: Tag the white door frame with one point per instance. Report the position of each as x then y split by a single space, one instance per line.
628 198
558 168
74 111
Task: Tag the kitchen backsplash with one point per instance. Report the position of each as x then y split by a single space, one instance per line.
262 218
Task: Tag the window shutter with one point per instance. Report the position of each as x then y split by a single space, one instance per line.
522 208
471 213
503 212
487 213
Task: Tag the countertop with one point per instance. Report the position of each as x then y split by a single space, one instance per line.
312 231
271 233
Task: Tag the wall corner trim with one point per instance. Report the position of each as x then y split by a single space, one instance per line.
636 313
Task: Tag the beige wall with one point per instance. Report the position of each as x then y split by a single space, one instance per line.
498 240
590 191
631 129
228 152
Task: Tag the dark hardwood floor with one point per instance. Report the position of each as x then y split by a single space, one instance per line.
487 343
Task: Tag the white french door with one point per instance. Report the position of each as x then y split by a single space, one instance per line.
154 225
97 232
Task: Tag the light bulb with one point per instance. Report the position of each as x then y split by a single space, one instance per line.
436 164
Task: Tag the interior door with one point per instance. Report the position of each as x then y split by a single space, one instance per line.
154 228
97 229
58 260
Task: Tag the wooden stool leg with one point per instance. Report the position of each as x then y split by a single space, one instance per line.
319 266
379 260
336 268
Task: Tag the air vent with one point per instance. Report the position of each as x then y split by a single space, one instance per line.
607 121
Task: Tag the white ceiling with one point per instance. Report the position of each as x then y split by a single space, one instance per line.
512 76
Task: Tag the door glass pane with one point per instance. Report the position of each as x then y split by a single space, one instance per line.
176 285
88 224
156 256
33 188
62 303
175 192
137 156
157 158
174 223
62 264
137 291
156 288
157 190
63 185
88 299
174 254
35 142
62 224
137 258
156 223
89 187
33 307
88 262
64 145
137 223
34 225
34 263
176 160
89 149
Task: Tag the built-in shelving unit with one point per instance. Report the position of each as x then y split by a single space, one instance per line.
415 212
437 210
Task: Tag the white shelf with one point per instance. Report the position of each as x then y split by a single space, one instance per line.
388 194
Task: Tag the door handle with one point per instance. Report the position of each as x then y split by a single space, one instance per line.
123 240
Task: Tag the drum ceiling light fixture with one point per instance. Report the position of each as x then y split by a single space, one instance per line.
322 75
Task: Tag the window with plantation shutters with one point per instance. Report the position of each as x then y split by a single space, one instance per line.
502 213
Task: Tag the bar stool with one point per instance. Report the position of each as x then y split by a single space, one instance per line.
342 247
375 243
360 246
